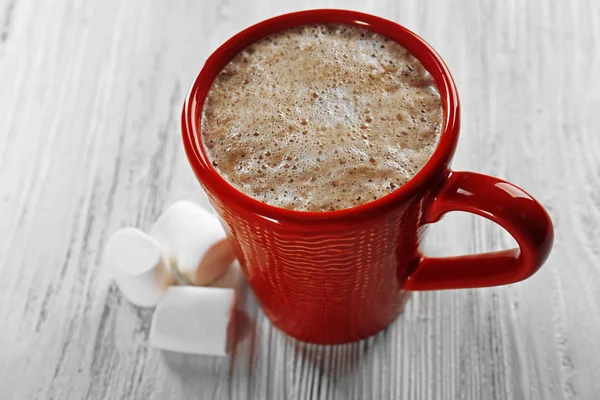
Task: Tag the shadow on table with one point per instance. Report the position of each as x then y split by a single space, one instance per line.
332 360
344 359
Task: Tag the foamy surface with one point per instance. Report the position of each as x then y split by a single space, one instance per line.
321 118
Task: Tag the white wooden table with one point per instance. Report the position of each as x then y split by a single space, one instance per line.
90 96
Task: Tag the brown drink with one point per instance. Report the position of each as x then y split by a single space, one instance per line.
321 118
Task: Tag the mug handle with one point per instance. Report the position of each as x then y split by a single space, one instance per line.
505 204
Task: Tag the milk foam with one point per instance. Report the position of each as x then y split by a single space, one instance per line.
321 118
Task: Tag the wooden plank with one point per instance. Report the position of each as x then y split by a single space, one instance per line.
90 95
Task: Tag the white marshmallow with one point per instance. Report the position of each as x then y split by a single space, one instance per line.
194 241
139 267
194 320
233 279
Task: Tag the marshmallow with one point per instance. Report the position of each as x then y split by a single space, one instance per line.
194 320
139 267
194 241
232 279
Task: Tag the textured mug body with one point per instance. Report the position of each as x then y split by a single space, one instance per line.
329 282
340 276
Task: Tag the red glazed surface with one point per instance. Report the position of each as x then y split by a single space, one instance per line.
335 277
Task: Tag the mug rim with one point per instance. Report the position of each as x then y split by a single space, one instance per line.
435 167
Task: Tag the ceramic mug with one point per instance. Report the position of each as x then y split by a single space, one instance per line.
340 276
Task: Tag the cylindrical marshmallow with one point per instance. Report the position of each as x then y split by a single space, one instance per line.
194 241
194 320
139 267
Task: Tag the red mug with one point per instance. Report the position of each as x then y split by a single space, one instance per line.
340 276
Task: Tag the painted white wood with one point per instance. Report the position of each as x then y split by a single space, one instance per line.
90 96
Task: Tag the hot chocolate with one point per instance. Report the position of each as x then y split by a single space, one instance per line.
321 118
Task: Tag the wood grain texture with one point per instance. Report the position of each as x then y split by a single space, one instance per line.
90 95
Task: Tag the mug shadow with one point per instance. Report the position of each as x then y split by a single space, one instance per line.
335 361
340 360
